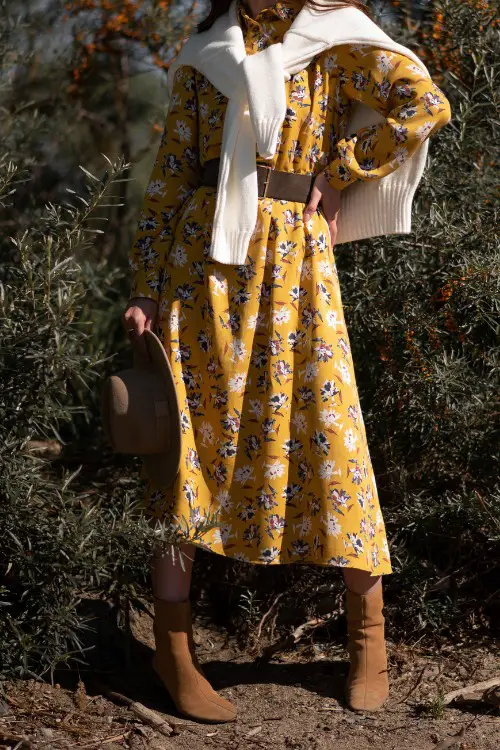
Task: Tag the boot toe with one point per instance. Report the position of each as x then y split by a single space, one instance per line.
366 700
215 707
222 714
227 708
213 710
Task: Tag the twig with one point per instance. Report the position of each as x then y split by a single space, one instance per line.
114 738
12 701
22 741
291 639
266 615
146 715
273 718
415 686
476 718
450 742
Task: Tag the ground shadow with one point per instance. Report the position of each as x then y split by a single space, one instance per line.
117 661
326 678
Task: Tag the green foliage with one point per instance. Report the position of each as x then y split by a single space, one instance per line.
54 544
65 534
435 708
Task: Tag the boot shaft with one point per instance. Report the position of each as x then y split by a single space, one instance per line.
367 685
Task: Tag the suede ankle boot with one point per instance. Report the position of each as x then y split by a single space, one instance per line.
367 685
176 664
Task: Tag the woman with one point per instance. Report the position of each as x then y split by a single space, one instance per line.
275 455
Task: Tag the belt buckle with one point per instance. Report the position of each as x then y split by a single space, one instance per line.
266 183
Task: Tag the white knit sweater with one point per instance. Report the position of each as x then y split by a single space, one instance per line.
254 86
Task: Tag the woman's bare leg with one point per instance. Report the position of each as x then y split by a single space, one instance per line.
171 573
360 581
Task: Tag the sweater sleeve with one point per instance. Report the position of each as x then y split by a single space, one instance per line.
412 104
175 176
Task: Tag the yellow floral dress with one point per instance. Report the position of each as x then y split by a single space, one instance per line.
275 463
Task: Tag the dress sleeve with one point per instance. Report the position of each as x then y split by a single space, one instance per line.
398 88
175 176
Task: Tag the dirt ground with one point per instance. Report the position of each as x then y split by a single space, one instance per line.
292 701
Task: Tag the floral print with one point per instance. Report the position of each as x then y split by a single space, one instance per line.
274 443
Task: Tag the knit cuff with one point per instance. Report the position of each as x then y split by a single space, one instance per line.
267 133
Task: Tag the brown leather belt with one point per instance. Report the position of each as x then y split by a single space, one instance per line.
271 183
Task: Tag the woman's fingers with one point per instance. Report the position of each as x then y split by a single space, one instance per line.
140 314
330 203
134 321
313 202
332 225
136 318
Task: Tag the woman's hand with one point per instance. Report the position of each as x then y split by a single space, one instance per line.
330 203
139 314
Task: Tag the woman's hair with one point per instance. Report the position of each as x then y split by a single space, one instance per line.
219 7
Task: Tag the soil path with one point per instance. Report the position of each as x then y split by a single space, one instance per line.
292 702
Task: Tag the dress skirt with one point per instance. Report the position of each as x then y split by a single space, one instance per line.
275 464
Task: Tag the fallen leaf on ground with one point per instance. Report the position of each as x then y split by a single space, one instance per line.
254 731
450 742
469 689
